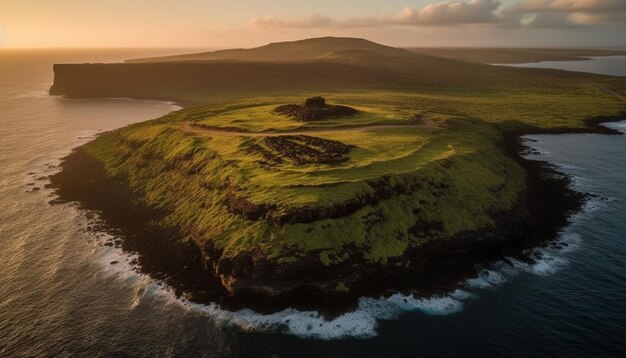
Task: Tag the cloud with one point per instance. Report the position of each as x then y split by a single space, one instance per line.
437 14
547 20
582 18
570 6
451 13
524 13
570 13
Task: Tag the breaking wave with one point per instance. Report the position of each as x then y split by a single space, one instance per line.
360 323
364 320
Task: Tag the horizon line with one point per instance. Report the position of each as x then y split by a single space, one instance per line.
209 48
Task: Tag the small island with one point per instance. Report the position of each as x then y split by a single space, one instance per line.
393 167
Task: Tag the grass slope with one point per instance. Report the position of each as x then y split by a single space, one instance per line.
190 176
401 188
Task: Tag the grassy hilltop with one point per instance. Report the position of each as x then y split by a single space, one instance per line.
274 201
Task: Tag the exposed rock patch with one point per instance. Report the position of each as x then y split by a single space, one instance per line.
300 150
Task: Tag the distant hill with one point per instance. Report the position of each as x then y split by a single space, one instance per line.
315 65
302 50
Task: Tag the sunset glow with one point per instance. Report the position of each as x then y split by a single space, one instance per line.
329 178
245 23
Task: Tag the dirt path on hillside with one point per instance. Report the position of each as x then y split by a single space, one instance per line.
610 92
189 127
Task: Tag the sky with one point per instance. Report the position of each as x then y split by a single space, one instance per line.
247 23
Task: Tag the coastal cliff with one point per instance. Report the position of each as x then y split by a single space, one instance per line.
205 81
308 233
323 66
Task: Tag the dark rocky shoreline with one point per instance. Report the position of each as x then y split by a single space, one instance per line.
537 219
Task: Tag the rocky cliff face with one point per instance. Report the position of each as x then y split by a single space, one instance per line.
251 280
222 79
539 213
413 229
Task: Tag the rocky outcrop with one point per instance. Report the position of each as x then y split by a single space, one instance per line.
315 109
383 188
300 150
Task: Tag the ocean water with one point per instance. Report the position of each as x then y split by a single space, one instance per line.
60 294
608 65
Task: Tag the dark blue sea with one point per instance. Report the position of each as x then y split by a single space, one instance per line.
60 296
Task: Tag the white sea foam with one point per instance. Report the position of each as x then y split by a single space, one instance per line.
33 94
173 106
621 126
360 323
363 322
123 266
486 279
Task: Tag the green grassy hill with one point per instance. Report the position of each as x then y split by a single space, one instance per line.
308 49
242 182
401 187
418 175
